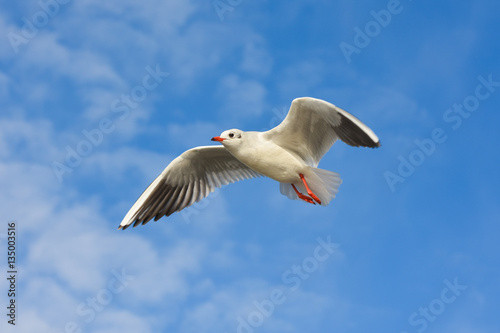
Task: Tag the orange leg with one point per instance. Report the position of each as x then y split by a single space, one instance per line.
302 196
311 194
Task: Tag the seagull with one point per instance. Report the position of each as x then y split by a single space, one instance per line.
288 153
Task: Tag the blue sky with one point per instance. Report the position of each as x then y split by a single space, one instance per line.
98 97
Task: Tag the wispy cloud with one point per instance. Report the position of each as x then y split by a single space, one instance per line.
242 98
221 259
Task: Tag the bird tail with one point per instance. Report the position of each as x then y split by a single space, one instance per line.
325 184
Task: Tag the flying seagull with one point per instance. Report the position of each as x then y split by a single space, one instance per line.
288 153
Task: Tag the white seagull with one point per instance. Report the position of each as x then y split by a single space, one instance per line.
288 153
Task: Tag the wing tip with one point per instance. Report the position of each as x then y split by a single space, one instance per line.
375 145
123 227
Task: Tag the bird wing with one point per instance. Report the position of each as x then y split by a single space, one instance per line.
312 126
186 180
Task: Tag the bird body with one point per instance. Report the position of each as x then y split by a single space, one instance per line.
288 153
267 158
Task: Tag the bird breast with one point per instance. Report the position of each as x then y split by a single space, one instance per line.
271 160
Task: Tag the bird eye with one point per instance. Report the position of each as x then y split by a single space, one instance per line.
231 134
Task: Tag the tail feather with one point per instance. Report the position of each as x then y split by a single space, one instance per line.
325 184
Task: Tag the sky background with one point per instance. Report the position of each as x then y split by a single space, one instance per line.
85 127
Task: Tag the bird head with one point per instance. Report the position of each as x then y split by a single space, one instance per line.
229 138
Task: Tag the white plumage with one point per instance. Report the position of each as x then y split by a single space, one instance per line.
288 153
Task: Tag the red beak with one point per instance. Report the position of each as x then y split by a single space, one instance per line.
217 138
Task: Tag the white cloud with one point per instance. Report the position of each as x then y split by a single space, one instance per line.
197 50
28 194
6 50
21 139
242 98
256 58
122 322
71 250
47 293
46 52
114 165
220 310
32 321
4 85
166 16
71 254
187 136
298 79
249 301
190 272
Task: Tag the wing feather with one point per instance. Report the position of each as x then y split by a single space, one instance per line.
312 126
186 180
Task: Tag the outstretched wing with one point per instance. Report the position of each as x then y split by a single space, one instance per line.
312 126
186 180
